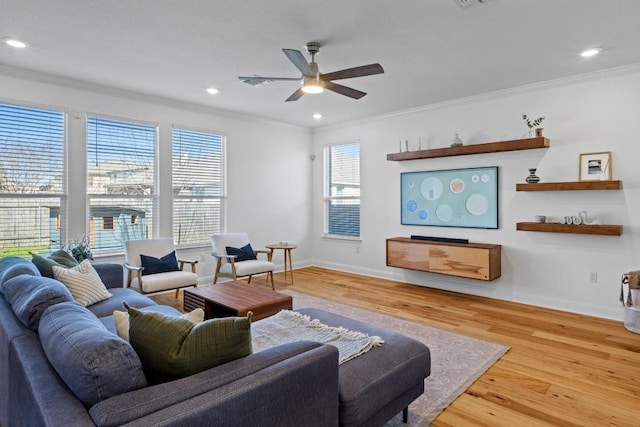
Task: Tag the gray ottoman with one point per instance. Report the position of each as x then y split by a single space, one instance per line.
381 383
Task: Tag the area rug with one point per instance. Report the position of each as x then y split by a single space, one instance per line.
290 326
456 360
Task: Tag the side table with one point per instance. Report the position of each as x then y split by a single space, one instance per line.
286 247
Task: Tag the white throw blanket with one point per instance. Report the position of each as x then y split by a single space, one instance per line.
290 326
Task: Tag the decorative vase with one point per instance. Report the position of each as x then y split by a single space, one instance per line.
532 178
456 142
539 131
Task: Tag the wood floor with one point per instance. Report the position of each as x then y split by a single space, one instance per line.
563 369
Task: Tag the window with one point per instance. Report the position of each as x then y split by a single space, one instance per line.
32 178
121 181
107 223
342 190
198 185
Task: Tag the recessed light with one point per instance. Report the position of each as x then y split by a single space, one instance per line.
212 91
18 44
317 116
590 52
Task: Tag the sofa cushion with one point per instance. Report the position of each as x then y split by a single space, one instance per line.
244 253
172 347
57 259
153 265
255 384
30 296
121 320
83 282
134 299
94 363
12 266
111 274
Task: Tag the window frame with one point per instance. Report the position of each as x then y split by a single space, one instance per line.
328 198
223 187
150 200
59 223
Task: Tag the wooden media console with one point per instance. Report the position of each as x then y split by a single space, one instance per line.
479 261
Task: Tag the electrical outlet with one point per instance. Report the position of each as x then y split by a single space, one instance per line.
593 277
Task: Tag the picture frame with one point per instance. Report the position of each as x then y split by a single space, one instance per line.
595 166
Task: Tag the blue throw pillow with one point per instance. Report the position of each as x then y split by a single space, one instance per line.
153 265
30 296
244 253
94 363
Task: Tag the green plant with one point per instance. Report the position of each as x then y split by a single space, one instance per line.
79 249
532 123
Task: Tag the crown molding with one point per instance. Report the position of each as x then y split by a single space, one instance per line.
488 96
51 79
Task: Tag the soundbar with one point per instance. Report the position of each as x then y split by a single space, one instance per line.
439 239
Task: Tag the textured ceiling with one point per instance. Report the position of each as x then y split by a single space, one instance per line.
431 50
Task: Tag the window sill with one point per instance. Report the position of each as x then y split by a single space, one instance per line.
344 238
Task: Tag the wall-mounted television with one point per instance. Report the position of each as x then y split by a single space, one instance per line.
450 198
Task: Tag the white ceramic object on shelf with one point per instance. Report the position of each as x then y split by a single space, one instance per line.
594 221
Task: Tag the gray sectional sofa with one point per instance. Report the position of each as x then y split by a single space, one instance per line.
289 385
297 384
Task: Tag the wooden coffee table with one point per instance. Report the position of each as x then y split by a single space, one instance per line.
236 298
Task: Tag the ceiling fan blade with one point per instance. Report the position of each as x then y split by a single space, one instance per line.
269 78
295 95
256 80
299 61
343 90
363 70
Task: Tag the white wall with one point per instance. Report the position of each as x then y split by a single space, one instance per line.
591 113
268 166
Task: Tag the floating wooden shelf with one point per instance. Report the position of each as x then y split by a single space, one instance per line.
479 261
488 147
570 186
603 230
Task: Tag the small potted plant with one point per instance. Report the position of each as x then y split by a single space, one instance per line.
79 249
533 124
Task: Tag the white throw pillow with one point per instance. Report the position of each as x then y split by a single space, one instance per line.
121 320
83 282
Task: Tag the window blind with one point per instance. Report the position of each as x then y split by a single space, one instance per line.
32 178
198 185
121 181
342 190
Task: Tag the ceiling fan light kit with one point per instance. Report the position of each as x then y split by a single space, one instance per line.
312 87
313 81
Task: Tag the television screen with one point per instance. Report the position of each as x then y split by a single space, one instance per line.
450 198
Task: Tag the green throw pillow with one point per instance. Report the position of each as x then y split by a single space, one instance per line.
45 265
63 258
171 347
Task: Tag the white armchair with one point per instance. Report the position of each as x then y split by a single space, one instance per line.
231 265
167 278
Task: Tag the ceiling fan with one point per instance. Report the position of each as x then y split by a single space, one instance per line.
312 80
